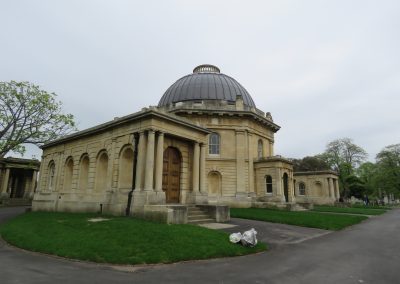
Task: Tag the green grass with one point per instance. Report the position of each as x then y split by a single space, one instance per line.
371 206
120 240
352 210
303 218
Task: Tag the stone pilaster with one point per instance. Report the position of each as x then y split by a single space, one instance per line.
331 188
196 167
159 161
240 164
251 165
271 148
140 162
149 172
202 177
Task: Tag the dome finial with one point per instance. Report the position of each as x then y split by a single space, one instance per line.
206 68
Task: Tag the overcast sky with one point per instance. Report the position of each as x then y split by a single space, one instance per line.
324 69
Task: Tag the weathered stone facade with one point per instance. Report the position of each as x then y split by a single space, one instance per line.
17 180
319 187
205 143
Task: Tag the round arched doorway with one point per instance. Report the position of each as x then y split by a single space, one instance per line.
171 174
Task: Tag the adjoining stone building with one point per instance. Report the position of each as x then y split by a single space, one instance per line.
317 187
205 144
17 180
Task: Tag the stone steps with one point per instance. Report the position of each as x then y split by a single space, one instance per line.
198 216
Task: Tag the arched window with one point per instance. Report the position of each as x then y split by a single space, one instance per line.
68 171
101 172
302 188
51 177
213 144
125 168
268 184
260 152
84 172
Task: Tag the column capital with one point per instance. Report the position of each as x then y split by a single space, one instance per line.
151 130
160 133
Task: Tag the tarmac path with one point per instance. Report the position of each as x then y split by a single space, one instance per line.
365 253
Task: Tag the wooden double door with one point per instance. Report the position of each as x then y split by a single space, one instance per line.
171 174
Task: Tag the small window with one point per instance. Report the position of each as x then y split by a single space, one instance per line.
213 144
302 188
260 152
268 184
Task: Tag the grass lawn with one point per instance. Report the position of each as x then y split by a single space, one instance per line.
303 218
352 210
371 206
119 240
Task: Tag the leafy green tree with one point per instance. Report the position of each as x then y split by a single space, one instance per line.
344 157
310 163
29 115
388 168
368 174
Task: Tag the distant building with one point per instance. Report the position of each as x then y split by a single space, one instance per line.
205 144
17 180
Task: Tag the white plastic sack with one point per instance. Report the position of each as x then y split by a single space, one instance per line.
249 238
235 237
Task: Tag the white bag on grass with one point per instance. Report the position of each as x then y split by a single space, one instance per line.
235 237
249 238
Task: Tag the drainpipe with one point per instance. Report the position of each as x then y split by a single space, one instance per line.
130 194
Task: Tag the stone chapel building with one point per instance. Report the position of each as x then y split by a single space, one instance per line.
205 144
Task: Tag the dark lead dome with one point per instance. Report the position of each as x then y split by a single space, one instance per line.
206 83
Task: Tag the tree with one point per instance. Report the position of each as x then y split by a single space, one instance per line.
344 156
29 115
388 167
310 163
368 174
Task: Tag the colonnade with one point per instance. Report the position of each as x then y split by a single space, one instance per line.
150 161
333 185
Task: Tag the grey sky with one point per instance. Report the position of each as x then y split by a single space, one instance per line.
324 69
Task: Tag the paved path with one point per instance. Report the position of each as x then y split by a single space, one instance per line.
365 253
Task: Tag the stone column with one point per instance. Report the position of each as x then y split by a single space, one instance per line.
159 161
251 165
279 187
331 189
196 165
33 184
202 177
140 162
337 189
4 185
148 182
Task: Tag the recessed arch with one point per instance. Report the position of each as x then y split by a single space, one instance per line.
125 173
84 171
51 176
68 172
214 183
101 171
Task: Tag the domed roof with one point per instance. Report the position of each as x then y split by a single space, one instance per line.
205 83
